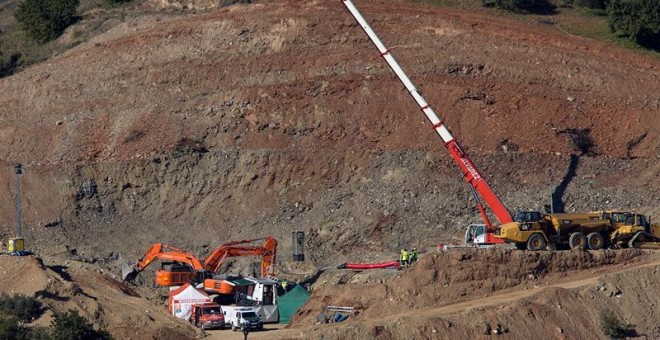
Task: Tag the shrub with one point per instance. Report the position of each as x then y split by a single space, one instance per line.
45 20
613 327
72 326
637 19
595 4
40 333
522 6
9 65
23 307
10 329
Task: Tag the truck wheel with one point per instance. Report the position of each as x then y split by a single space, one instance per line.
577 241
536 242
595 241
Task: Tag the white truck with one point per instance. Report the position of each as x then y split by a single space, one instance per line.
238 317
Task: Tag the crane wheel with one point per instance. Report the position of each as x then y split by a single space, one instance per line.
595 241
577 241
536 242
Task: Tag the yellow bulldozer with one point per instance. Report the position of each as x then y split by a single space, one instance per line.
632 230
595 230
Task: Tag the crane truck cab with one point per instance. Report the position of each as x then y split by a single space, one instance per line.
207 316
239 317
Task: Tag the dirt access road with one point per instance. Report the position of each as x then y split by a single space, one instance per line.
504 298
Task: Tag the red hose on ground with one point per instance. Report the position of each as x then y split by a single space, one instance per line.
391 264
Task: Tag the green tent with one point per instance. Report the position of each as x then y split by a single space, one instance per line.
289 303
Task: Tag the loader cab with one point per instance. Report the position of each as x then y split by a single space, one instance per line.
527 216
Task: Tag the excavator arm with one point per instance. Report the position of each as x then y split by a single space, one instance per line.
267 252
162 252
470 172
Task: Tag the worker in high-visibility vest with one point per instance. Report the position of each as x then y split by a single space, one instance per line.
413 256
404 258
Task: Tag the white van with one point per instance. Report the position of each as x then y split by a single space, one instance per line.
236 317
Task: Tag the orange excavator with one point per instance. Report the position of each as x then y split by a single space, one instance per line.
179 266
214 261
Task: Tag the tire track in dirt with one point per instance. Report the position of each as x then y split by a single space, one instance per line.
521 294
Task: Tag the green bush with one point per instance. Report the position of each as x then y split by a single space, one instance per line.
594 4
25 308
637 19
45 20
612 327
10 329
40 333
9 65
72 326
522 6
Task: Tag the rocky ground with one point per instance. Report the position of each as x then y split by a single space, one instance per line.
260 119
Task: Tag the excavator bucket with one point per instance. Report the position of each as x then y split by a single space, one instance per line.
128 272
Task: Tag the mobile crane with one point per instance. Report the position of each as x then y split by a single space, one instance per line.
475 234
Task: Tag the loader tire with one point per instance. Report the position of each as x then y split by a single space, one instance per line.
577 241
595 241
536 242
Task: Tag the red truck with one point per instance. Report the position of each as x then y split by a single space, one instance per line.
207 316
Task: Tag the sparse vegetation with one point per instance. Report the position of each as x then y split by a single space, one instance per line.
613 327
594 4
24 308
8 65
522 6
637 19
45 20
10 329
72 326
18 309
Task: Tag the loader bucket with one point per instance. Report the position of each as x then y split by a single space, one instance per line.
128 272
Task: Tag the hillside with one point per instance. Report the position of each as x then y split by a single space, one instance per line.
207 127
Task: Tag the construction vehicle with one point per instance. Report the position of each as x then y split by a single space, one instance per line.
243 318
178 266
478 184
207 316
632 230
594 230
532 230
213 263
